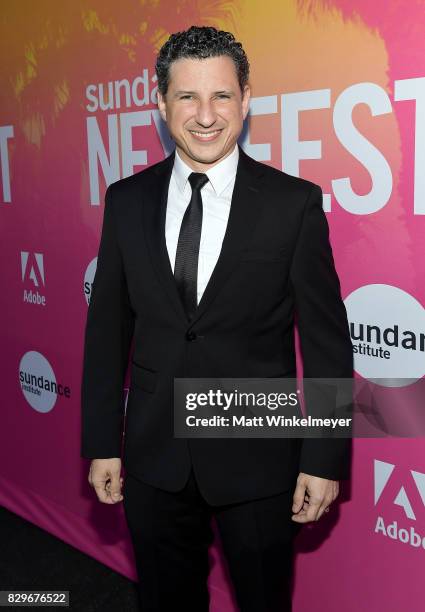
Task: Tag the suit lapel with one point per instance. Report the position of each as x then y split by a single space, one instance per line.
244 210
245 207
154 212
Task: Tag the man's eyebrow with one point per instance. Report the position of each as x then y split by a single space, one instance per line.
181 92
184 92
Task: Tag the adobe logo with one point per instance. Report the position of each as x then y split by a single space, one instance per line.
32 269
383 473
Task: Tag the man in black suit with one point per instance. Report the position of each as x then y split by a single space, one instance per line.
204 260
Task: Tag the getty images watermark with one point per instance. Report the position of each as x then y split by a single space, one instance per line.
299 408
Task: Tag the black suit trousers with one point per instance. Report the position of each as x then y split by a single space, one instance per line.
171 533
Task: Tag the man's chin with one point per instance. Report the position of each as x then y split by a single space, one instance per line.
204 155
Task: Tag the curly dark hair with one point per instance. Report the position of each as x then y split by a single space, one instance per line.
200 42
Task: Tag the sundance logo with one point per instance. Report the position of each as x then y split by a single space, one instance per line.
89 278
38 382
32 269
383 473
387 327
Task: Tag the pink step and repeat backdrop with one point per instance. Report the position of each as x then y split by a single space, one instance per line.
338 98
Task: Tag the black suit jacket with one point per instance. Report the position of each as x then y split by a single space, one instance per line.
276 261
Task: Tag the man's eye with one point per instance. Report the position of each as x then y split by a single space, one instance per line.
186 97
223 96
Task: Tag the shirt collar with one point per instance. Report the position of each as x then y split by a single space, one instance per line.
219 175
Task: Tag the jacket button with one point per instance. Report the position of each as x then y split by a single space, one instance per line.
191 335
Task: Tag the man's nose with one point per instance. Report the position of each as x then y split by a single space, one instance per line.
205 115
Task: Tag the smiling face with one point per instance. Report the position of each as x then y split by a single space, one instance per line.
204 109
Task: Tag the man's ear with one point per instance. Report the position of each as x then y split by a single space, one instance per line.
246 96
162 106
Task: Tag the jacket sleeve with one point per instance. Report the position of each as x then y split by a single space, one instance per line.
108 333
323 330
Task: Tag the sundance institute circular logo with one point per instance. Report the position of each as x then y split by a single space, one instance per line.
387 327
88 279
38 381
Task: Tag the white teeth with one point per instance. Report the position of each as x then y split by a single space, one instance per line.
205 135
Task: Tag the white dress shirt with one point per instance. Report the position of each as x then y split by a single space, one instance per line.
216 200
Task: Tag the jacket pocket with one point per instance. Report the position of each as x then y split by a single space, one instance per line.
143 377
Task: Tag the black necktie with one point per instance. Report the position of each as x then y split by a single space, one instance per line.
186 264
